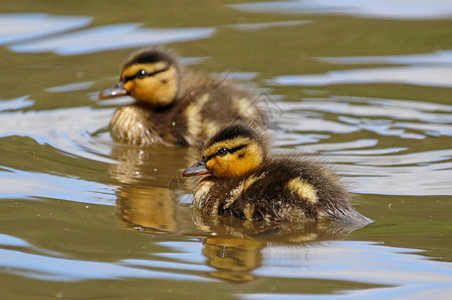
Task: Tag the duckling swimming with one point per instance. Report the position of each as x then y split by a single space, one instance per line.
174 107
245 182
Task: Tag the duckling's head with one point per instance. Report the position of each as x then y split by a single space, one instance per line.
233 152
150 76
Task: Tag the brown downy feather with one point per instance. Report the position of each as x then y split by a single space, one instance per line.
201 105
279 189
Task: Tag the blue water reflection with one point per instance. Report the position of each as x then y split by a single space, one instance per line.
72 135
401 270
442 58
430 69
382 9
17 103
16 184
111 37
19 27
63 269
370 114
436 76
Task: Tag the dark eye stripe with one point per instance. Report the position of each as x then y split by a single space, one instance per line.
229 151
139 74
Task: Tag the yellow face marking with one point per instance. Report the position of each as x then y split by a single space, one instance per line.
237 163
229 144
248 211
158 90
303 189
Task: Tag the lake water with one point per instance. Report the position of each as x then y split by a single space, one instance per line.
364 85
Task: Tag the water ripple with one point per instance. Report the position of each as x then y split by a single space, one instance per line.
72 135
16 184
368 114
380 9
402 271
63 269
437 58
111 37
435 76
19 27
15 104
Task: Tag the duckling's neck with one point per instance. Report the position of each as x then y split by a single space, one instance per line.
157 109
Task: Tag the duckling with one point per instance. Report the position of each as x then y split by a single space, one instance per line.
172 106
244 181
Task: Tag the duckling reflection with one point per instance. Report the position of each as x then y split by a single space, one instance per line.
233 258
148 209
235 247
145 198
140 165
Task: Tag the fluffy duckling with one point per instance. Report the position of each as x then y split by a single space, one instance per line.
245 182
174 107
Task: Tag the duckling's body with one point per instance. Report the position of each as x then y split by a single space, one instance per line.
174 107
247 184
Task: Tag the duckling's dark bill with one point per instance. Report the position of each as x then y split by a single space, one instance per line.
115 91
197 169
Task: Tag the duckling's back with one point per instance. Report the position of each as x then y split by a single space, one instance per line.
284 190
208 104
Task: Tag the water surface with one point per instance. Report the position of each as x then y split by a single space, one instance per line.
364 87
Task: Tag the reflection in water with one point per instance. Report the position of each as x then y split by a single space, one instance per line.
261 26
375 170
62 269
111 37
145 198
234 259
371 108
436 76
234 247
386 9
436 58
396 273
148 209
17 103
382 145
17 184
70 87
72 135
156 166
433 69
18 27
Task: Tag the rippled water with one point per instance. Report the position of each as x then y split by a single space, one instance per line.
366 87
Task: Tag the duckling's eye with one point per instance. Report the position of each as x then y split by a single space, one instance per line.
222 151
141 74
